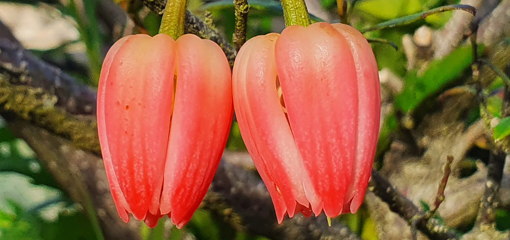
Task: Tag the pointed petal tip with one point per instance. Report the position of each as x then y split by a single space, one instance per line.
124 215
280 209
334 208
140 214
180 216
317 207
151 220
306 211
280 218
180 223
356 202
165 207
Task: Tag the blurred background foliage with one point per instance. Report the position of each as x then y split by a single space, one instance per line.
74 35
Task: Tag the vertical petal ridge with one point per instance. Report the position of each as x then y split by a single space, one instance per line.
200 125
369 113
137 108
320 90
264 126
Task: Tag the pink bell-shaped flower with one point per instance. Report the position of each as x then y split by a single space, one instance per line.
308 106
164 111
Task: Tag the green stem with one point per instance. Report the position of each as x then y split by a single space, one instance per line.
172 22
295 13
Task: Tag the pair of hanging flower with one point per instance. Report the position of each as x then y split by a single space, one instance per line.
307 102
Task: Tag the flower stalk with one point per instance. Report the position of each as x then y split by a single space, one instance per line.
172 22
295 13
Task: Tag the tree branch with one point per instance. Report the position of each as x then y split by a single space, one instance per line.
486 215
399 204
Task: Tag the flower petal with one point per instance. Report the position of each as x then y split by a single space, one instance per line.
137 111
369 113
319 84
265 128
200 125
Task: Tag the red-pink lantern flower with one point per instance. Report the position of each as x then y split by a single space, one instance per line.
308 106
164 111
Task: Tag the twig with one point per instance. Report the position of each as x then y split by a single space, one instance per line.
495 69
241 8
442 186
399 204
488 204
447 39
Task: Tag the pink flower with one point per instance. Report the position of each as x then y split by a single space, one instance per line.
164 114
308 105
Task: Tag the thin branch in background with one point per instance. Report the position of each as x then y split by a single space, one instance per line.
496 70
488 204
415 17
399 204
241 9
505 107
384 41
442 186
475 69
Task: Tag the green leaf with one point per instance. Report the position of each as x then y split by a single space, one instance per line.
424 205
89 33
156 233
73 225
502 129
494 104
20 225
6 135
438 75
23 224
369 230
328 3
421 15
389 9
502 220
235 140
209 226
